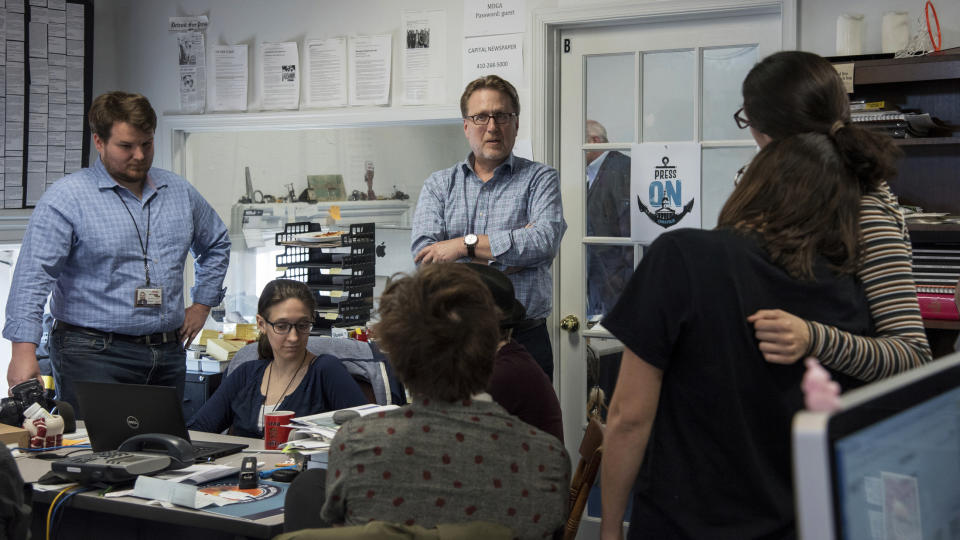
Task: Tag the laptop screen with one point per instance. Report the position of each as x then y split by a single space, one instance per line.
886 465
113 412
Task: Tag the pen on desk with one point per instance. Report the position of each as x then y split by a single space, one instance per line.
255 451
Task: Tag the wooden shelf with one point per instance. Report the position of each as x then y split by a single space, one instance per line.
935 66
926 141
940 324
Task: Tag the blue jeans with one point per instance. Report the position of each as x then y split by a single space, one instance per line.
83 356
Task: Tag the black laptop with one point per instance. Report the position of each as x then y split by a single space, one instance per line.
114 412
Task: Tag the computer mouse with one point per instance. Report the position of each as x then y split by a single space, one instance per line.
343 415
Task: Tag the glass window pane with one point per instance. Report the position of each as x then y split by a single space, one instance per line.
608 193
611 79
720 166
608 270
723 72
668 96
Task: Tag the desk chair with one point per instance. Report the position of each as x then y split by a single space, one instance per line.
301 507
591 451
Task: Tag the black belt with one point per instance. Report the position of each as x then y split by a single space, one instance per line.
150 339
528 324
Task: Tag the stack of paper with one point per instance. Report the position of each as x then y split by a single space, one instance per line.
205 335
312 435
223 349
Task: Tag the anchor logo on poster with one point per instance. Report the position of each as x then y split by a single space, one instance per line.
665 188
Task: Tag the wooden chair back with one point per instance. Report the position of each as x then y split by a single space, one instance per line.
591 452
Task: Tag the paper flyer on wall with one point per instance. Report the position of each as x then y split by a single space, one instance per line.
422 58
192 61
369 61
493 55
326 72
230 77
664 189
279 76
485 18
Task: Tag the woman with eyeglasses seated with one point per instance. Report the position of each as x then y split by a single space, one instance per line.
287 377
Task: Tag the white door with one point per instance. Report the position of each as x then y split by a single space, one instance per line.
663 80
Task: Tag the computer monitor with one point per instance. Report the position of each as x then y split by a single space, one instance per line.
886 465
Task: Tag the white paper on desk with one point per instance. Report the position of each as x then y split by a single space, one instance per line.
423 57
327 72
493 55
186 495
369 60
198 474
230 77
280 75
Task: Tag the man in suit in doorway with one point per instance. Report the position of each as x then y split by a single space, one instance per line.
608 214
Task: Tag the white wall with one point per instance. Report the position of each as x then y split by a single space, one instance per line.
133 50
818 21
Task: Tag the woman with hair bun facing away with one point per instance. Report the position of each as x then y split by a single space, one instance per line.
699 422
793 92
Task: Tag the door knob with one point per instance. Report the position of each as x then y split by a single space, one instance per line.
570 323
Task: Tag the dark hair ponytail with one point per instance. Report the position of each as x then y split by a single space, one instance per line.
793 92
871 156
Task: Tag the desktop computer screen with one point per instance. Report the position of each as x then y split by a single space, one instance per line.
886 465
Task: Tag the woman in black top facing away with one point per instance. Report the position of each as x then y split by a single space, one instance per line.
698 417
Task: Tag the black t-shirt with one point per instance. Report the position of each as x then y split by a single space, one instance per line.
717 464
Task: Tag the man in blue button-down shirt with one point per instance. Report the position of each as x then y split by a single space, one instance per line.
494 206
110 242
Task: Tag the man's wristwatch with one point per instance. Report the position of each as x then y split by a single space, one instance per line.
470 241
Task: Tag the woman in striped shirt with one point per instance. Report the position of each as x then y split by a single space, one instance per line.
794 92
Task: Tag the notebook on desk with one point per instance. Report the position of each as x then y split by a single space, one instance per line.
114 412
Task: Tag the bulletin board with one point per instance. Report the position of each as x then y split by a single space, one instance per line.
47 51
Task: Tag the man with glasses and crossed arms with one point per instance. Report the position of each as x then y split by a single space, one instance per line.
496 208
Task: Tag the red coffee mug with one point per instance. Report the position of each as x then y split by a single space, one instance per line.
274 432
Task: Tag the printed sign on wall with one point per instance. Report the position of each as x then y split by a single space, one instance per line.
664 189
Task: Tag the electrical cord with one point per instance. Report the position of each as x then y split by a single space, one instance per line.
47 449
60 510
52 506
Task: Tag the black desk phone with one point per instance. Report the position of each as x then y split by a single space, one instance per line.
137 455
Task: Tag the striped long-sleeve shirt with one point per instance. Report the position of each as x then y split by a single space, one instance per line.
887 277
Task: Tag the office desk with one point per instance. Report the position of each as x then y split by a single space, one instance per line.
89 515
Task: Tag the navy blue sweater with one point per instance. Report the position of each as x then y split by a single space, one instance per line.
326 386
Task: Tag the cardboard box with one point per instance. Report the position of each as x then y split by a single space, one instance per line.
10 434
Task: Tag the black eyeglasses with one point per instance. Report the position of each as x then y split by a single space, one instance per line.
741 121
498 118
283 327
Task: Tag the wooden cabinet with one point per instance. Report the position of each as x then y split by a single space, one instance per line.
929 173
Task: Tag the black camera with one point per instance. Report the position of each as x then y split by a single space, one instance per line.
23 396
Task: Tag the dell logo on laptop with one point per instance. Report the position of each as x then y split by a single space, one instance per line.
133 422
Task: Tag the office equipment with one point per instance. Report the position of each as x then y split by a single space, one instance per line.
340 273
115 412
885 464
248 473
110 467
91 515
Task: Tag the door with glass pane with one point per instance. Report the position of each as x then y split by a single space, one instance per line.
656 82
